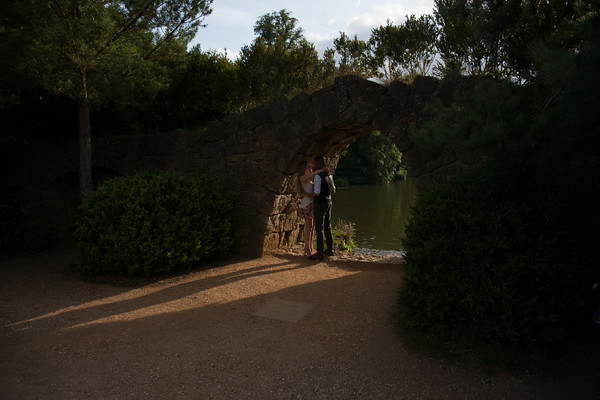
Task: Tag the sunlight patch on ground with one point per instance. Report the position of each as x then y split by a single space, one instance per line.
206 288
92 304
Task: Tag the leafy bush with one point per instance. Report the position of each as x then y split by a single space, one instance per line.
490 267
343 235
150 223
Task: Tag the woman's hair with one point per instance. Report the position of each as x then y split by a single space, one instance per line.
303 166
301 169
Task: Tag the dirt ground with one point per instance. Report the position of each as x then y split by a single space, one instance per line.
195 336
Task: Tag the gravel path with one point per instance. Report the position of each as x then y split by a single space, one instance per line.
196 336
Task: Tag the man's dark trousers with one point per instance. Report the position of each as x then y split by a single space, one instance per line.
323 223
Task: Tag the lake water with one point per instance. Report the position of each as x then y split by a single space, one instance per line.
379 212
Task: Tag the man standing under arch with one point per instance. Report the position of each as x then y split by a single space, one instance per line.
324 188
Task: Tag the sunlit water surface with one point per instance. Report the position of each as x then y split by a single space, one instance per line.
379 212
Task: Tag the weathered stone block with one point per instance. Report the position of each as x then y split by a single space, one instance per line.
424 84
278 110
326 106
254 117
299 103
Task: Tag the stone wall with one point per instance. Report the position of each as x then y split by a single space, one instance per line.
257 154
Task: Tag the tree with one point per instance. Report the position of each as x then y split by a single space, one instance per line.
280 61
495 37
329 69
278 28
94 50
352 56
458 45
421 43
386 52
203 88
403 51
532 128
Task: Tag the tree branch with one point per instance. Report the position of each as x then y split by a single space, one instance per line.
132 22
126 27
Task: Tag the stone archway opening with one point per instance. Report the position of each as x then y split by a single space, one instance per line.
326 122
330 142
374 196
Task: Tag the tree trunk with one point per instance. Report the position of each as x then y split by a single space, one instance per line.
85 151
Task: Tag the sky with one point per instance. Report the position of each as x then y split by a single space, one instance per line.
231 24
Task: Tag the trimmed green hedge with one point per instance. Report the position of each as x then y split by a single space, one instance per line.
494 268
149 223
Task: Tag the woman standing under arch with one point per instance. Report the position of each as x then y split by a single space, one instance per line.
306 210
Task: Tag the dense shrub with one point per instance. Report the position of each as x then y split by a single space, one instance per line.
494 265
343 236
150 223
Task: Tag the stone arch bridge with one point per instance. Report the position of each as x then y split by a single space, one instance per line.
257 154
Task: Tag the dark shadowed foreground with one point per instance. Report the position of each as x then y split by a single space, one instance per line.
200 336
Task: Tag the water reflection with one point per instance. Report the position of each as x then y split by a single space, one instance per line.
379 212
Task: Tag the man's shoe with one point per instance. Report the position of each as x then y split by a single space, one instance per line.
329 252
316 256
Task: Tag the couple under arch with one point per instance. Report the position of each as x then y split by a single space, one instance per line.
316 185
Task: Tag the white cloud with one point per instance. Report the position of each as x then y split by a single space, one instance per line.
322 41
318 37
232 55
391 11
378 15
